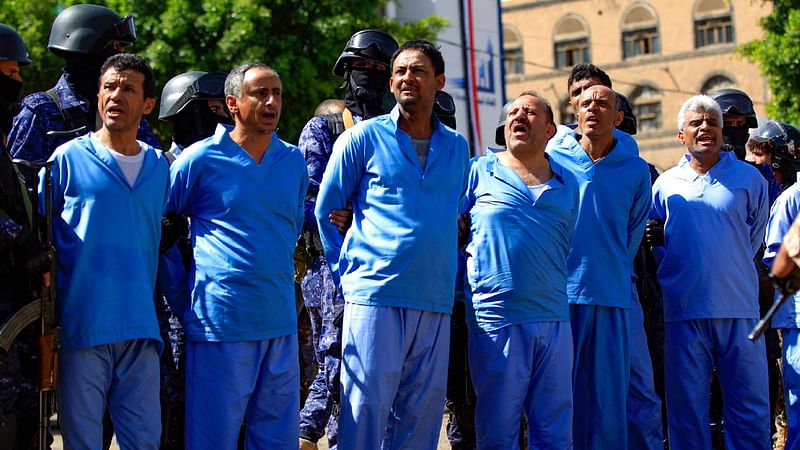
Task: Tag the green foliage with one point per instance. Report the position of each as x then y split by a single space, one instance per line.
301 39
778 56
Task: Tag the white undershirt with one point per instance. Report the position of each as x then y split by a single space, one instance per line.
131 165
537 189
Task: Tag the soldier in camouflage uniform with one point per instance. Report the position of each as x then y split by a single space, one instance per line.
19 260
364 65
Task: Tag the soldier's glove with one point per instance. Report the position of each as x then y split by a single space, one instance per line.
787 285
173 226
654 233
37 257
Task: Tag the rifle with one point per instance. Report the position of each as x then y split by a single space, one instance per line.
763 324
48 337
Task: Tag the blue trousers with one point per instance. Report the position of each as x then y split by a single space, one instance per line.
692 348
394 377
791 385
644 406
601 376
124 377
526 367
228 382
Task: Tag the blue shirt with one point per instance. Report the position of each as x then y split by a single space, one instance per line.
614 200
517 255
106 235
713 227
783 213
401 249
28 139
245 219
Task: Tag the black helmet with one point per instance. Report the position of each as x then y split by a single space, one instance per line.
499 132
787 147
370 44
628 123
88 29
12 48
187 87
734 101
445 108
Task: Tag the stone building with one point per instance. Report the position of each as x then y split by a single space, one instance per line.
657 52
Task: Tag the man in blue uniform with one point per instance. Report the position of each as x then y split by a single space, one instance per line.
405 174
364 66
714 208
109 192
615 192
194 103
83 36
522 206
243 190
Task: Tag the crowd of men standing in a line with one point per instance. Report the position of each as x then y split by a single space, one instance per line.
535 241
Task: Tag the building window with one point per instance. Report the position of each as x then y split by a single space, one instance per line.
570 53
646 103
570 42
640 32
713 23
640 42
512 52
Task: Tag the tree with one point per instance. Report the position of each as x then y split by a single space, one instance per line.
778 55
301 39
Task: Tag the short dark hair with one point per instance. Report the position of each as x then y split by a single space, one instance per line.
127 61
584 71
427 49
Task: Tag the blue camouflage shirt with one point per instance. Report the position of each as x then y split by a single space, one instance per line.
28 139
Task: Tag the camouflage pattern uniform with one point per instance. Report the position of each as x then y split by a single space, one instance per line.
324 303
18 367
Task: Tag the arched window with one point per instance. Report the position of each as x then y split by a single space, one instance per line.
716 82
566 115
512 51
713 23
640 31
570 42
646 103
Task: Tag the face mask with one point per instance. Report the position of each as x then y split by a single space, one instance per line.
196 123
365 92
736 137
9 101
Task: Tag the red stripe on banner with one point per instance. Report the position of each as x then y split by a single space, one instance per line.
473 85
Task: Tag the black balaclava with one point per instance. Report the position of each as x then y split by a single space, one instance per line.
196 122
83 75
735 138
9 101
365 90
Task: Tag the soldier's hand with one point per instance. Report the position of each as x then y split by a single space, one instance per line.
36 256
654 233
342 218
787 285
463 230
173 226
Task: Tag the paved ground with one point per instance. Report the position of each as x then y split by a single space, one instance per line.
443 445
